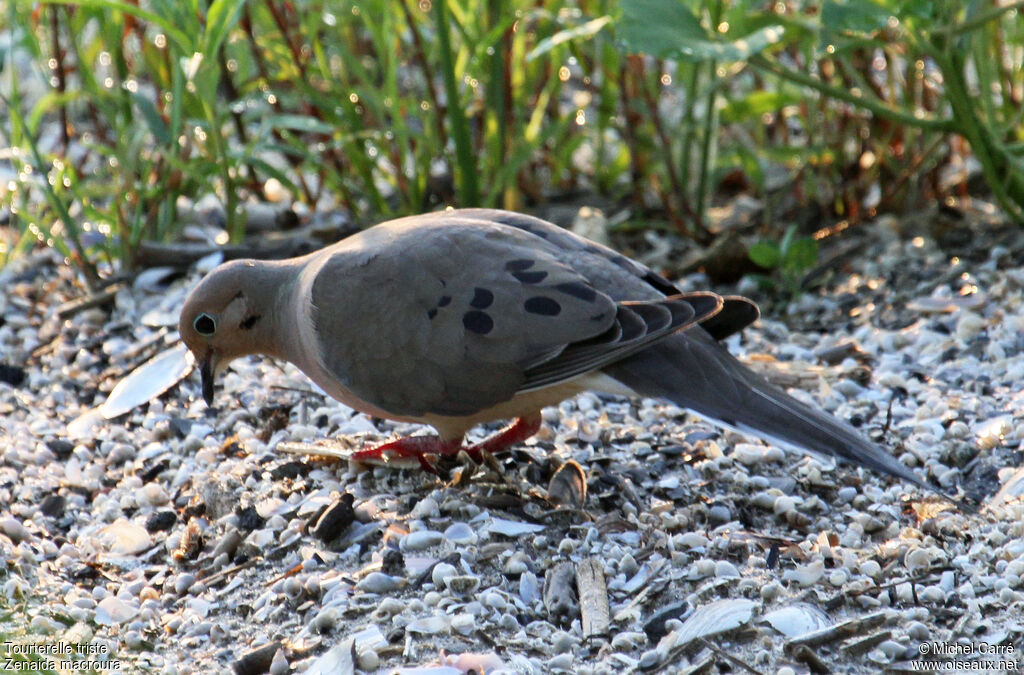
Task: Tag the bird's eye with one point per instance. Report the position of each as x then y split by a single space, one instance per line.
205 325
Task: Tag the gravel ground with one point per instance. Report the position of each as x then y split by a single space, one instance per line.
627 536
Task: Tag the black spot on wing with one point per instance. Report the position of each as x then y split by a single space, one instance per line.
478 322
519 264
542 305
431 313
482 298
528 277
444 300
578 289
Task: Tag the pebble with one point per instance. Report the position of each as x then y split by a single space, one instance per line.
870 568
378 582
441 573
15 530
183 582
421 540
724 568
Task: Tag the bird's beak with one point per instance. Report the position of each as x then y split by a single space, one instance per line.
206 370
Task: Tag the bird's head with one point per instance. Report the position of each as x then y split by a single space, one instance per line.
223 318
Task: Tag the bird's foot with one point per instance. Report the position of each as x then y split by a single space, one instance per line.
517 432
418 447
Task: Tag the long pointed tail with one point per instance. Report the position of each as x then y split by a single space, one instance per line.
695 372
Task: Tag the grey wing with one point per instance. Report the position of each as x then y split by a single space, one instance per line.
450 318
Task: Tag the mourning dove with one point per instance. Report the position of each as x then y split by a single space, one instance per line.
461 317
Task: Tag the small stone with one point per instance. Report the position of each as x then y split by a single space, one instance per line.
870 568
464 623
724 568
441 573
256 661
627 565
719 514
560 662
326 619
421 540
279 664
183 582
161 520
13 528
378 582
368 660
649 659
561 642
460 534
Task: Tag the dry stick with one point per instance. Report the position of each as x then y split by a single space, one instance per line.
593 595
62 78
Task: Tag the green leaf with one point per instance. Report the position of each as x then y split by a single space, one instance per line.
853 16
666 28
587 30
153 119
176 35
220 19
787 240
802 254
765 254
757 103
658 27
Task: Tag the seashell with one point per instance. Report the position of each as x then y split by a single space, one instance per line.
378 582
123 537
463 584
421 540
512 528
712 619
431 625
461 534
112 610
568 487
148 381
797 619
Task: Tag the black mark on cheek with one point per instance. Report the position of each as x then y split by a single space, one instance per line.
250 321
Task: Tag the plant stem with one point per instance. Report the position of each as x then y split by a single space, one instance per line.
469 190
875 106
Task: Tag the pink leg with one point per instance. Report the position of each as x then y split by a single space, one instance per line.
517 432
412 446
421 446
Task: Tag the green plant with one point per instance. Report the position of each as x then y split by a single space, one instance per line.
896 80
789 260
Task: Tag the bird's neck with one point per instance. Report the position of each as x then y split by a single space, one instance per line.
274 333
